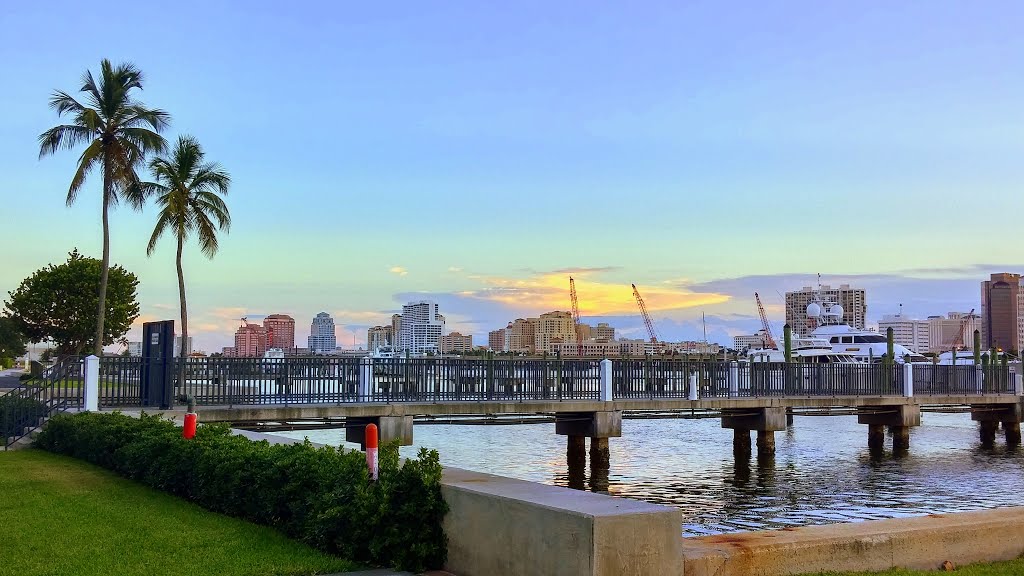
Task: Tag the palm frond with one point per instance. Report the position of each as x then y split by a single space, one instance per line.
90 157
162 223
65 136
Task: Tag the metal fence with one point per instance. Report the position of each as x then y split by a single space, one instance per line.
337 380
963 379
26 407
471 379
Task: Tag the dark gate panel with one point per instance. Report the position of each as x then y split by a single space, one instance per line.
157 364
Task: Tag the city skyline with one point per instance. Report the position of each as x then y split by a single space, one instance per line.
623 145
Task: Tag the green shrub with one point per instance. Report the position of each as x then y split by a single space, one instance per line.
322 496
17 413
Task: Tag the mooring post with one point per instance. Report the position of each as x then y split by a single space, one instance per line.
606 380
92 383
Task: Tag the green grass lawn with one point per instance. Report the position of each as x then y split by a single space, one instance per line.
62 516
1013 567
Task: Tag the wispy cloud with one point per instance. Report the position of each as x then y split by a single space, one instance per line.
400 271
454 269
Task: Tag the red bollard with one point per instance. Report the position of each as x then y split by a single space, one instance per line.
371 449
188 432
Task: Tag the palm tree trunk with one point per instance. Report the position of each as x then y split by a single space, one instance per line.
181 296
106 262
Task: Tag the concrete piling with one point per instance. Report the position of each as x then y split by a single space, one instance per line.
741 443
576 458
987 433
900 439
876 437
1012 430
765 442
600 464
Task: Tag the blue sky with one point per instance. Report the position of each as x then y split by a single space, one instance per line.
476 154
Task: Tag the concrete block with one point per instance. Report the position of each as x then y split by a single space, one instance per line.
893 415
920 543
500 526
997 412
771 418
604 424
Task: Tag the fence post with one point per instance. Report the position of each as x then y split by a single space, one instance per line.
908 379
365 378
92 383
734 379
606 380
1018 384
694 395
979 378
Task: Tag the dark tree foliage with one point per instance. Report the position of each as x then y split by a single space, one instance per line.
12 341
60 303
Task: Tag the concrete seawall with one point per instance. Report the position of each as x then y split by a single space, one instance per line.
920 543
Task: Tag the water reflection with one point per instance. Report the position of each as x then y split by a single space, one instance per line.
822 470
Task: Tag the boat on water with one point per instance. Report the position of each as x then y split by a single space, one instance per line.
863 345
808 350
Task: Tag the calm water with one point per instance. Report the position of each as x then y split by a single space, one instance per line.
822 471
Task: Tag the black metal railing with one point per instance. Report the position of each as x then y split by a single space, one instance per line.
120 382
472 379
25 408
297 380
961 379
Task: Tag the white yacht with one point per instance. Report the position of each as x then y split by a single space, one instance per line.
384 352
805 349
864 345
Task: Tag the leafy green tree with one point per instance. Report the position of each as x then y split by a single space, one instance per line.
186 189
119 132
59 302
12 341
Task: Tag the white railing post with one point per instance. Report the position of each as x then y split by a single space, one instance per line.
1018 384
92 383
606 380
365 379
694 395
979 378
908 379
734 379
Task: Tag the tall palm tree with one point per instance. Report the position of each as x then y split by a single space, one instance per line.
187 191
119 132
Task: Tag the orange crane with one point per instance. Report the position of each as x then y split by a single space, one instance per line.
646 316
576 316
958 342
770 342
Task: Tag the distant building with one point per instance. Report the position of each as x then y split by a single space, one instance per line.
378 337
322 339
421 326
456 342
135 349
553 327
853 301
280 331
229 352
943 332
177 346
520 334
250 341
758 339
602 332
496 340
1002 312
909 332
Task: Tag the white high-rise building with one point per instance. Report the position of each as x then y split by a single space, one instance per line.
756 340
321 334
909 332
177 346
421 328
944 332
853 301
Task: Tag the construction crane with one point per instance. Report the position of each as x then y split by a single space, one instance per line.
958 342
576 316
646 316
770 338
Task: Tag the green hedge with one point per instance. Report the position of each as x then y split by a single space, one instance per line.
321 496
17 413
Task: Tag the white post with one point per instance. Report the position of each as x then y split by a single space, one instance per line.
1018 384
693 387
365 379
734 379
606 380
979 377
908 379
92 383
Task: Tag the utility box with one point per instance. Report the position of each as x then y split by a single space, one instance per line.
158 364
